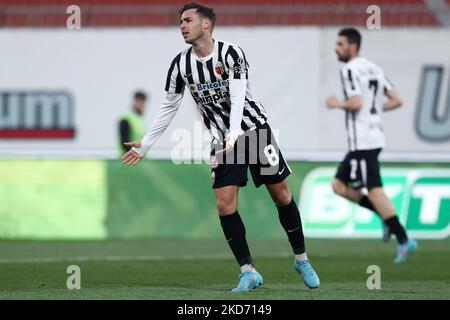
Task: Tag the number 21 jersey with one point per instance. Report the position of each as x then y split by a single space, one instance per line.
364 78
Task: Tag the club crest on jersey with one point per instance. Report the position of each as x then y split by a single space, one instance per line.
219 68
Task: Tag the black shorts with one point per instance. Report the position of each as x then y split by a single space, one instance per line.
256 149
360 169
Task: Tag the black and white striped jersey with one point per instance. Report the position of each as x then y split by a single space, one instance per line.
362 77
208 80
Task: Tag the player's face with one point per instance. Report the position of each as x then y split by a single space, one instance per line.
343 49
191 26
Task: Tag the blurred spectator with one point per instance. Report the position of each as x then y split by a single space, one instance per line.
131 125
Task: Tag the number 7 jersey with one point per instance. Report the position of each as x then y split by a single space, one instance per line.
364 78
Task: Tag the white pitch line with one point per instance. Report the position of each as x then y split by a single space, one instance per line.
132 258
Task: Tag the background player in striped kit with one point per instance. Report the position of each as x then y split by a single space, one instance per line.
364 85
216 74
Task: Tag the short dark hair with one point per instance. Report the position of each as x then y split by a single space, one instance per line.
352 35
140 95
203 11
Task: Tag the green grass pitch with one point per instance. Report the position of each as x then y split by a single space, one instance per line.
205 269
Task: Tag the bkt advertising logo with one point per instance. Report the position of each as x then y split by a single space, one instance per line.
421 197
36 115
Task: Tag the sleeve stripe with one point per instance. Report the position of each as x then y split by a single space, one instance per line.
179 83
245 58
233 54
174 73
350 78
169 74
245 61
235 59
343 84
220 52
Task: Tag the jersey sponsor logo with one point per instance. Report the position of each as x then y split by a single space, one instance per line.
220 96
208 86
36 115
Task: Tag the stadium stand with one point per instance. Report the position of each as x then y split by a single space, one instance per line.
122 13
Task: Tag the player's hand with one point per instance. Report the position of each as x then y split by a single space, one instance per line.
230 140
132 157
229 145
332 102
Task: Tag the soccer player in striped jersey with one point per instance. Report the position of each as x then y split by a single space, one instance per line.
365 85
216 74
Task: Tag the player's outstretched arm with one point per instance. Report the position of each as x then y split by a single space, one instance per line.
394 102
169 107
164 117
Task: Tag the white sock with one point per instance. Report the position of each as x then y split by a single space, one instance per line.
248 268
301 257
